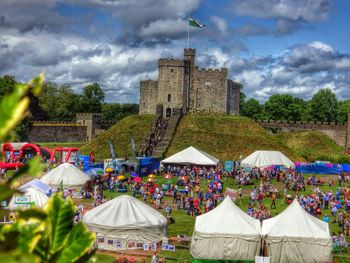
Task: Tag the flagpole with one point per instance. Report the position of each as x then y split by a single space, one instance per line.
188 33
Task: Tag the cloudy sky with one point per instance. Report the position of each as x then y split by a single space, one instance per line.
271 46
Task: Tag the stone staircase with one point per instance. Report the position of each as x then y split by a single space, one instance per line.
162 131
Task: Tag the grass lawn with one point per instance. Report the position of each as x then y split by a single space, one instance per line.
184 224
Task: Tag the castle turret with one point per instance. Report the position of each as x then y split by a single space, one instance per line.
190 55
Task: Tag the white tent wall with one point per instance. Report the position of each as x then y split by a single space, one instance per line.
301 250
225 247
108 239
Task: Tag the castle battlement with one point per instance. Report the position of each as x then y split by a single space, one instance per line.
189 52
171 62
310 124
212 69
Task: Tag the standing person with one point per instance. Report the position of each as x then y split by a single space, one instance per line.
273 200
155 258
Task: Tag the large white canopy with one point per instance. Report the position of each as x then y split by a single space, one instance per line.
192 156
296 236
66 173
31 197
226 233
262 159
125 219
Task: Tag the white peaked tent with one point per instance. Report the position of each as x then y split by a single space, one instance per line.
68 174
192 156
226 233
262 159
38 185
296 236
124 221
30 198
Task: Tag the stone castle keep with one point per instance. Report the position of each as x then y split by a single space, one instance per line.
183 87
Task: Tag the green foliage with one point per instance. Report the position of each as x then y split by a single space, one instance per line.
117 111
92 98
324 106
38 235
252 109
343 110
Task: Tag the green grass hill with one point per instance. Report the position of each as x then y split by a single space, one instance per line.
311 145
136 125
225 137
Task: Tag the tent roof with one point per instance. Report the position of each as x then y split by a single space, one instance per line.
266 158
38 185
36 196
66 173
227 218
294 221
124 212
192 155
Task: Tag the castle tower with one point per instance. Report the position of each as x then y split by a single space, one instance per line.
170 87
190 56
233 97
190 62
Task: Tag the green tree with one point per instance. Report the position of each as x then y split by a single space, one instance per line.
92 98
285 107
343 110
324 106
252 109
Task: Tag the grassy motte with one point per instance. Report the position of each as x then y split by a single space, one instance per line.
137 125
225 137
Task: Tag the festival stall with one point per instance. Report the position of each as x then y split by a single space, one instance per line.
225 233
296 236
30 198
125 223
191 156
67 176
263 159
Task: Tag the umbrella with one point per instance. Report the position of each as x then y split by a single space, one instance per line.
150 179
133 174
151 176
120 177
183 178
95 172
109 170
137 179
167 176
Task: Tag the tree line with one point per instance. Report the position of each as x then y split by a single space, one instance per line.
323 106
59 103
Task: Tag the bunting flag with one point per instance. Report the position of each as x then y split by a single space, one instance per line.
194 23
111 148
132 143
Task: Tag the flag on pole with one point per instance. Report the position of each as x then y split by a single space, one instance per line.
61 186
111 148
194 23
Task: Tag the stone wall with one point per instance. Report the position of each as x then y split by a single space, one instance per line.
170 83
148 96
57 132
339 132
209 90
233 97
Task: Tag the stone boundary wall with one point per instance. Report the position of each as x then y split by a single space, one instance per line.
339 132
56 132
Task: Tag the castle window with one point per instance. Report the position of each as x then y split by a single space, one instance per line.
207 84
171 70
169 97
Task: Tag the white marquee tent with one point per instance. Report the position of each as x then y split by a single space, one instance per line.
192 156
262 159
30 198
124 221
38 185
296 236
68 174
226 233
